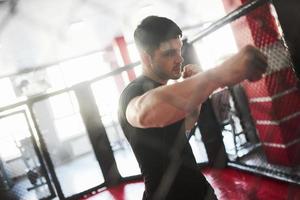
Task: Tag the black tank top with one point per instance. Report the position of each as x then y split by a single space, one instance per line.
164 154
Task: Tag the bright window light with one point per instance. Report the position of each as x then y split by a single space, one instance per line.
69 127
9 149
107 103
13 130
64 105
133 52
117 55
138 70
216 47
7 92
84 68
125 77
67 119
55 77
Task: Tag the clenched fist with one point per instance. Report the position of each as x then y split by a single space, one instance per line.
190 70
249 63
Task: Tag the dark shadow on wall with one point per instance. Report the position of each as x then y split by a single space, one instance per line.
288 12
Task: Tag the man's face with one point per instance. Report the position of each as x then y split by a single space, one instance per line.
166 60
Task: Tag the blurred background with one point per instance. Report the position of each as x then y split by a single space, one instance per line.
64 63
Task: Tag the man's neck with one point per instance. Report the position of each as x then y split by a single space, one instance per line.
154 77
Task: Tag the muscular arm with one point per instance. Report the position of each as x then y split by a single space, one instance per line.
167 104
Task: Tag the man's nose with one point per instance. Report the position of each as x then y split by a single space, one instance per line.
180 59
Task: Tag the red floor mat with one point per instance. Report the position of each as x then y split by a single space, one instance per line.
234 184
229 184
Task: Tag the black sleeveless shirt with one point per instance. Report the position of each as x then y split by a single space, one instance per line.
164 154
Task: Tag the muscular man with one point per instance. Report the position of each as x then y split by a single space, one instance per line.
155 115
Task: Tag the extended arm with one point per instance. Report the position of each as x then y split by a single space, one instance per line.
167 104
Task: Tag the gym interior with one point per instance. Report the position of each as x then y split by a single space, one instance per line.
64 64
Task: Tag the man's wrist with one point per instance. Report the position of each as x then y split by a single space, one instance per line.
216 76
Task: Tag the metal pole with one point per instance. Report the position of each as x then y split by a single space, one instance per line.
230 17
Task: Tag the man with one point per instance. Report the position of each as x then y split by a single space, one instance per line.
155 116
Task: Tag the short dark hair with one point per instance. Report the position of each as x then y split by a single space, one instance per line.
154 30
